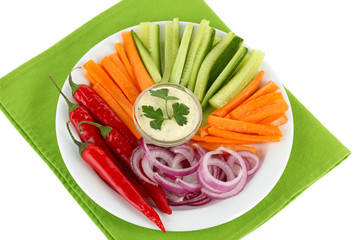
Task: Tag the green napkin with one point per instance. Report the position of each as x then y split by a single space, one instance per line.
27 92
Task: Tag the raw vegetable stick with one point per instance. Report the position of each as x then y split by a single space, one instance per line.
87 75
117 61
214 139
141 75
124 58
234 147
257 103
204 131
242 96
266 89
264 112
126 85
240 80
241 136
243 127
146 58
117 109
275 120
104 79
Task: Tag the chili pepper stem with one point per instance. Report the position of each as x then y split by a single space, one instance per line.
73 85
81 145
72 106
105 130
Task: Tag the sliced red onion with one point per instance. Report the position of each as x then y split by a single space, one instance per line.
242 176
166 169
180 201
200 202
250 155
194 177
135 162
176 163
246 155
200 150
190 187
213 182
148 169
171 186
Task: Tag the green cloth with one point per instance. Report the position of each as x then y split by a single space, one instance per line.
29 100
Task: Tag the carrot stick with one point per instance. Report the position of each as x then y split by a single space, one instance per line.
117 108
126 85
242 96
241 136
203 131
257 103
243 127
142 76
100 76
235 147
264 112
117 61
125 60
266 89
87 75
213 139
275 120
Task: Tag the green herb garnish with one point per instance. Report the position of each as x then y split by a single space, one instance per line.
180 110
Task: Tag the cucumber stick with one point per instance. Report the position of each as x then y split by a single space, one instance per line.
217 39
208 63
194 46
225 74
171 47
149 34
239 81
179 62
146 58
204 48
223 60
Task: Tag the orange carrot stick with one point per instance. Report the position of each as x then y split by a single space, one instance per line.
214 139
242 96
241 136
264 112
275 120
117 61
266 89
126 85
87 75
100 76
243 127
235 147
203 131
142 76
117 108
257 103
124 58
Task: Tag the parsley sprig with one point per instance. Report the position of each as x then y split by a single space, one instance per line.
179 112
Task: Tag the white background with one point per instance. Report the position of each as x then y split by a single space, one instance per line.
313 46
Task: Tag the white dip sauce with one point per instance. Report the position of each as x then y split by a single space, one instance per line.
170 130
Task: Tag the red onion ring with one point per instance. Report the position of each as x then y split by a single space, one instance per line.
166 169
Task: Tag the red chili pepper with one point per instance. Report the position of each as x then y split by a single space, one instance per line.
108 170
91 134
123 150
100 110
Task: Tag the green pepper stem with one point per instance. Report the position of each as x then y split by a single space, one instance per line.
81 145
73 85
72 106
105 130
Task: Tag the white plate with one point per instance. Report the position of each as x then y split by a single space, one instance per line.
274 157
